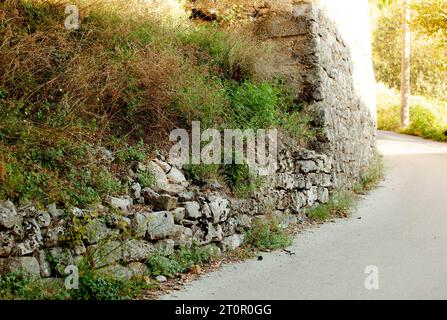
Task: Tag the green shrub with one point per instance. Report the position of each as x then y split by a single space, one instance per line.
428 117
21 286
253 106
267 235
94 287
146 179
371 176
180 261
339 205
138 152
200 173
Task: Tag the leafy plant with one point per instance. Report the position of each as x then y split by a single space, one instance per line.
339 205
146 179
179 262
267 235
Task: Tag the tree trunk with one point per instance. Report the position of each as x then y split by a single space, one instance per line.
405 81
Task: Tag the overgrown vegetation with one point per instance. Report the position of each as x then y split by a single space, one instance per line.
342 202
180 261
122 81
339 205
21 286
267 235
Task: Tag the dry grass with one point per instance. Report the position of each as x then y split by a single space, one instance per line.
128 74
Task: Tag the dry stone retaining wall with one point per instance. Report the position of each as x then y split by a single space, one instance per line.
170 215
174 213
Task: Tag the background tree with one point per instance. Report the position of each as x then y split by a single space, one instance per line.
428 46
405 80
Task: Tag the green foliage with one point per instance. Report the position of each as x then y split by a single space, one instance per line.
20 286
428 117
124 76
430 17
77 229
371 176
267 235
253 106
202 172
339 205
146 179
428 54
180 261
94 287
138 152
14 285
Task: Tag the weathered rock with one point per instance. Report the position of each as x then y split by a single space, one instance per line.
323 195
173 189
186 196
312 196
166 246
61 258
54 235
182 236
6 243
166 167
8 215
161 180
106 253
213 233
123 204
160 225
220 208
232 242
179 214
307 166
165 202
137 250
138 269
139 224
116 271
26 247
28 265
176 176
45 267
43 219
96 231
161 279
299 201
192 210
229 227
33 239
136 190
54 211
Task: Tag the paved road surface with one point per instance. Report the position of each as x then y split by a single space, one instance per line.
402 231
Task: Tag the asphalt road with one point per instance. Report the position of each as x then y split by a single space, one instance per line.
398 235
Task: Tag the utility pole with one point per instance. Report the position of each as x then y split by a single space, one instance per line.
405 80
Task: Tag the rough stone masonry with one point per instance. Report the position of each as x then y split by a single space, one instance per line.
326 55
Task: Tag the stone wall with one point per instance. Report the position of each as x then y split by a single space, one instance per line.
327 72
170 215
326 56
